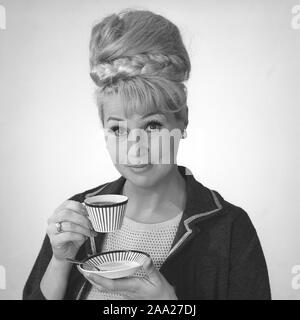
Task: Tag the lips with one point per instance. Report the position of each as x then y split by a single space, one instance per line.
139 166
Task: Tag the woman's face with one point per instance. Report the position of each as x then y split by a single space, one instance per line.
148 139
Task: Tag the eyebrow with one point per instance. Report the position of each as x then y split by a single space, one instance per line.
143 117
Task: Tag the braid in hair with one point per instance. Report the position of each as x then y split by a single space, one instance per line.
144 65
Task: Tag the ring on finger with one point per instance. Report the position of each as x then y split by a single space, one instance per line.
59 227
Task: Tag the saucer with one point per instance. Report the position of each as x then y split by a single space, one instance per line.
114 264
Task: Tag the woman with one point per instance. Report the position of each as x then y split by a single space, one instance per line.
202 247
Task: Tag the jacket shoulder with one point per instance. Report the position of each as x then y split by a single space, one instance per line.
233 211
236 216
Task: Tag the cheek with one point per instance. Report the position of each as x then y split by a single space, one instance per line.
164 148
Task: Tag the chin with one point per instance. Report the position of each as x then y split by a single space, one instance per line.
145 177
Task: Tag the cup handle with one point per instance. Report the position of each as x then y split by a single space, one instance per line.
92 240
84 206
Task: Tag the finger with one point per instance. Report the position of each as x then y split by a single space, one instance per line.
64 237
71 216
127 294
67 226
149 267
125 284
98 286
74 206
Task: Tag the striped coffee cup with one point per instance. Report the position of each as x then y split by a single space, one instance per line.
106 211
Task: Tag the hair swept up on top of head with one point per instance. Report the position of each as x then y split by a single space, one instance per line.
138 46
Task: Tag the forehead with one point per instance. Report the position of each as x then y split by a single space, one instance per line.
115 106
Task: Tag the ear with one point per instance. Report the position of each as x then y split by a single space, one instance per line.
185 117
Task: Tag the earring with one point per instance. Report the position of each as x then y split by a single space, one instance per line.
184 134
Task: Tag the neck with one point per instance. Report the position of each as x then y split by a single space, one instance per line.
166 198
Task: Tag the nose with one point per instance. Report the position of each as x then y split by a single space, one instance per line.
137 148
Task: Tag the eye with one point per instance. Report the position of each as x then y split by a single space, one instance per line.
118 131
154 125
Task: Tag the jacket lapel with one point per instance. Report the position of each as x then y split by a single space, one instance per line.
201 203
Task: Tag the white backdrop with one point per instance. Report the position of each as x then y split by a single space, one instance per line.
243 136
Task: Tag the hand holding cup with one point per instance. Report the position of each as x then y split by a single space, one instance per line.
68 228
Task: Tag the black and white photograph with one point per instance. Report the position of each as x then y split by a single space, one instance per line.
149 150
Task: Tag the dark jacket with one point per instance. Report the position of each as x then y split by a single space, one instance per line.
216 253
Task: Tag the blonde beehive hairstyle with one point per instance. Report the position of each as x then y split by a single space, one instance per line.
140 56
